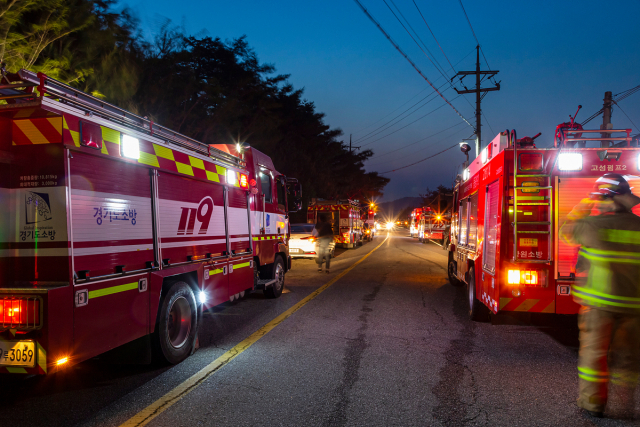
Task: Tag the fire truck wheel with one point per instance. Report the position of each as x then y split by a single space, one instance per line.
451 271
478 312
176 329
277 272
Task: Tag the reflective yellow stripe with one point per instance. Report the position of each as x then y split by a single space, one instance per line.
113 290
216 271
16 370
592 379
244 264
621 236
42 357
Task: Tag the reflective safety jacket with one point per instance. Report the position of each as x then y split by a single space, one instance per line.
611 244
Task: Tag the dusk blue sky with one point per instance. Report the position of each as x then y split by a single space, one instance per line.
552 56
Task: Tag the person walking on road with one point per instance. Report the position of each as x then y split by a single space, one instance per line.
324 233
609 319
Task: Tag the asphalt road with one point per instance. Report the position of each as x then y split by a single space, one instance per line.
387 344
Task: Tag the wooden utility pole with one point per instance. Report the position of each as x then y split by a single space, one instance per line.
606 119
480 93
350 144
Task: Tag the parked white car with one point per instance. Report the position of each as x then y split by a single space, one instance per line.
302 244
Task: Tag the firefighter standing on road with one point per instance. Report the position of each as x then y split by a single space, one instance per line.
324 233
609 319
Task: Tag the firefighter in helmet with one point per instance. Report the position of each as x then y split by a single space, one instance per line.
609 320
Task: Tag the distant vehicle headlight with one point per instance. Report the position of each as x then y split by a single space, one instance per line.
389 225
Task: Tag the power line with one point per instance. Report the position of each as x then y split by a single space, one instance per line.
372 134
414 143
387 115
366 12
419 161
408 124
634 125
617 98
444 138
405 103
474 33
438 67
434 36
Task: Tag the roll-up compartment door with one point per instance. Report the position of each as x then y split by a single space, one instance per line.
491 226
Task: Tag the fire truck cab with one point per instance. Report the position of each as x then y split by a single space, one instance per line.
115 230
344 216
509 208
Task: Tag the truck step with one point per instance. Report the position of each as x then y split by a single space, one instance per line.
263 283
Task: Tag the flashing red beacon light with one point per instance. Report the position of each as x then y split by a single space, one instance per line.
244 183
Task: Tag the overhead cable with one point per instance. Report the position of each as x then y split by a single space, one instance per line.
616 98
419 161
389 123
366 12
438 66
408 124
434 36
387 115
618 105
474 34
414 154
415 142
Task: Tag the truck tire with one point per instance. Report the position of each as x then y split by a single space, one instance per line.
451 271
176 330
478 312
276 272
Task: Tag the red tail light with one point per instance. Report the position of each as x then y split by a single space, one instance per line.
20 312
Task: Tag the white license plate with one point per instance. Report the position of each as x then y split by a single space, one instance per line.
294 250
18 353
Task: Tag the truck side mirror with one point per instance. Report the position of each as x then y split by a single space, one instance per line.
296 205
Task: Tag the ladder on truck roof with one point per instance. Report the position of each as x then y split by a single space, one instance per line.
531 201
74 97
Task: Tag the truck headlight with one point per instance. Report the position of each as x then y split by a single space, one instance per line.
570 162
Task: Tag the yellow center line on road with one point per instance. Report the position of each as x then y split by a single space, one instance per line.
145 416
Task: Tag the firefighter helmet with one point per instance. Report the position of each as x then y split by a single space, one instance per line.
609 185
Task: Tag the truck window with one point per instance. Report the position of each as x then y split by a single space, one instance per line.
491 227
281 195
463 224
473 221
265 186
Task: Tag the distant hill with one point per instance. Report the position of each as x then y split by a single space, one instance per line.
393 208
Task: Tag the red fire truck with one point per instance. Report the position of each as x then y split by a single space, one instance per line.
344 216
433 225
116 230
509 208
416 214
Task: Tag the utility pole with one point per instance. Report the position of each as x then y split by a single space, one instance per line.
480 93
350 144
606 119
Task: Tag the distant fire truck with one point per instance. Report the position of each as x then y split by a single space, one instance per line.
416 215
116 230
344 216
509 208
434 225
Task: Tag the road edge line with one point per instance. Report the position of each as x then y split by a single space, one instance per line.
145 416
